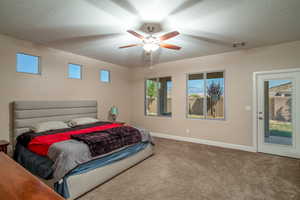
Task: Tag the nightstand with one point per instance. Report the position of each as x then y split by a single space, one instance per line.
3 145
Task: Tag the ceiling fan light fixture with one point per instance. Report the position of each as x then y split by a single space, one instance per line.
150 47
151 44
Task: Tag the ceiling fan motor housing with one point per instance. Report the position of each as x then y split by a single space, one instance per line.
151 28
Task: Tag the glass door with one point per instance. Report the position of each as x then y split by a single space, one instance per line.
278 113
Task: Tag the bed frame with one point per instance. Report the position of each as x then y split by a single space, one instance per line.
26 113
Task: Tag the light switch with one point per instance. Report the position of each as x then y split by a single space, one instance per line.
248 108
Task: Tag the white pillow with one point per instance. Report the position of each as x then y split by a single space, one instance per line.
47 126
82 121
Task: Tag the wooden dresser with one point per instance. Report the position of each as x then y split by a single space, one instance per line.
18 184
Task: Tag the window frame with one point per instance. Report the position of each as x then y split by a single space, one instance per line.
39 63
205 99
158 105
81 71
109 76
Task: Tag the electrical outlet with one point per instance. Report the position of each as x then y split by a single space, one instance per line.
187 130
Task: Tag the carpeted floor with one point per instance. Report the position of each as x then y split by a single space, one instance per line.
188 171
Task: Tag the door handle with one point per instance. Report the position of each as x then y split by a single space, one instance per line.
260 115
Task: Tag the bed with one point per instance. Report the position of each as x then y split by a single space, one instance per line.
87 175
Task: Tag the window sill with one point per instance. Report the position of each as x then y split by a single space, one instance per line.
158 116
205 119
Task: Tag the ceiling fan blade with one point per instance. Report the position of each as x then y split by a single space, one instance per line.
170 46
136 34
130 45
169 35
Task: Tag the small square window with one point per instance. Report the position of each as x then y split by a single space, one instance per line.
74 71
104 76
28 63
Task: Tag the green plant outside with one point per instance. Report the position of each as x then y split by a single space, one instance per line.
282 129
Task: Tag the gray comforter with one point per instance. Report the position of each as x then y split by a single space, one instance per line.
68 154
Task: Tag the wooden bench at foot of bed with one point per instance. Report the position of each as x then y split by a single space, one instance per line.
17 183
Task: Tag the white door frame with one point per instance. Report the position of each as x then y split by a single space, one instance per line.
255 100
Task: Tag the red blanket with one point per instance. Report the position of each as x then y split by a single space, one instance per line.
41 144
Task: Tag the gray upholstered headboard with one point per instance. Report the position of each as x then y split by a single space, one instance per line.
26 113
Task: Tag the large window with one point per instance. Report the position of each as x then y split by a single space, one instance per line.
74 71
205 95
28 63
158 100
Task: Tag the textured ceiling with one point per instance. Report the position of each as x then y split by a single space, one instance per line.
96 28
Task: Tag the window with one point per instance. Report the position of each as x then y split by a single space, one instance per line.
158 100
205 95
74 71
28 63
104 76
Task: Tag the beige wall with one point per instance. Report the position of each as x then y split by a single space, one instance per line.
239 67
53 83
127 87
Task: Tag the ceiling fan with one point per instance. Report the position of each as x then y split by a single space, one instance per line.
152 43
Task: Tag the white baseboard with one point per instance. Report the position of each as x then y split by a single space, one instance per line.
207 142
